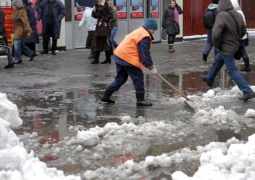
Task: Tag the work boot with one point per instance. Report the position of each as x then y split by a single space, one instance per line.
96 60
92 55
108 58
205 57
246 65
247 96
203 77
107 95
9 66
140 99
171 50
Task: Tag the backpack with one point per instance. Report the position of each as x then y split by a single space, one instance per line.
209 18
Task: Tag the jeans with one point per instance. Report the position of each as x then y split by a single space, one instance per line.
171 39
245 55
111 41
20 46
209 43
219 61
123 72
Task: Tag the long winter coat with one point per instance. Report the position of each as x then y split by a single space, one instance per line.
34 38
59 12
2 28
168 22
225 35
21 24
103 14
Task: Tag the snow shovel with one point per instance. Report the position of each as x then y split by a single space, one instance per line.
179 92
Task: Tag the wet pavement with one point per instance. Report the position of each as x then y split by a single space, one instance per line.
59 95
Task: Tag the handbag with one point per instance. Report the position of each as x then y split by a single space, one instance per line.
239 52
3 48
176 28
246 41
102 30
164 34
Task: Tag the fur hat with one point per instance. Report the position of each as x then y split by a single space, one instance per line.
215 1
17 3
151 23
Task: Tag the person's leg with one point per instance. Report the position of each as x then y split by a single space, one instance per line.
113 33
137 76
119 80
46 37
17 51
54 41
235 75
10 60
209 44
217 65
171 42
245 58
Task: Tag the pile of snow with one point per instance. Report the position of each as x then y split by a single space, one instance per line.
15 162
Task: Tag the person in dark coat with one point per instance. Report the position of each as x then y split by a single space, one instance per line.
169 21
51 12
226 39
103 13
34 38
3 37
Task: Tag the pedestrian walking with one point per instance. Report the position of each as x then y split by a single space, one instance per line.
3 40
114 28
208 21
244 38
103 13
170 22
91 26
227 31
128 56
22 30
51 12
34 38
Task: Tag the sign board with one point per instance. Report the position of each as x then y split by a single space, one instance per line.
8 23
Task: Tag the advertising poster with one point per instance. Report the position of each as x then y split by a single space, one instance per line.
137 9
80 7
8 23
154 12
121 7
5 2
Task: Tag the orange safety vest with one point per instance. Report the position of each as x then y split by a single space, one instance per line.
127 50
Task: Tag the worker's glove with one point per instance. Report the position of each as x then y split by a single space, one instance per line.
154 71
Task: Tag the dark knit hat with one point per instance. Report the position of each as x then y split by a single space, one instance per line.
215 1
17 3
151 23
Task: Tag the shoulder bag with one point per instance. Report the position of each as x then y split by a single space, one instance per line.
3 47
239 52
102 30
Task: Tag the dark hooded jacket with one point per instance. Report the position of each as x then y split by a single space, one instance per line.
2 28
225 35
34 38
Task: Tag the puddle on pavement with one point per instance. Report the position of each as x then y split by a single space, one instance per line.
55 115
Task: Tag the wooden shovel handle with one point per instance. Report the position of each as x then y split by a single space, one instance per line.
169 84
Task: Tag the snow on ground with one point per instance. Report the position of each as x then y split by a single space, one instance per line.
15 162
230 160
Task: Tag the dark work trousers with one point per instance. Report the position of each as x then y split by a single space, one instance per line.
49 32
123 72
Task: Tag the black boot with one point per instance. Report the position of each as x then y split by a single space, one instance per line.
9 66
140 99
107 94
111 51
246 65
92 55
96 60
108 58
45 51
